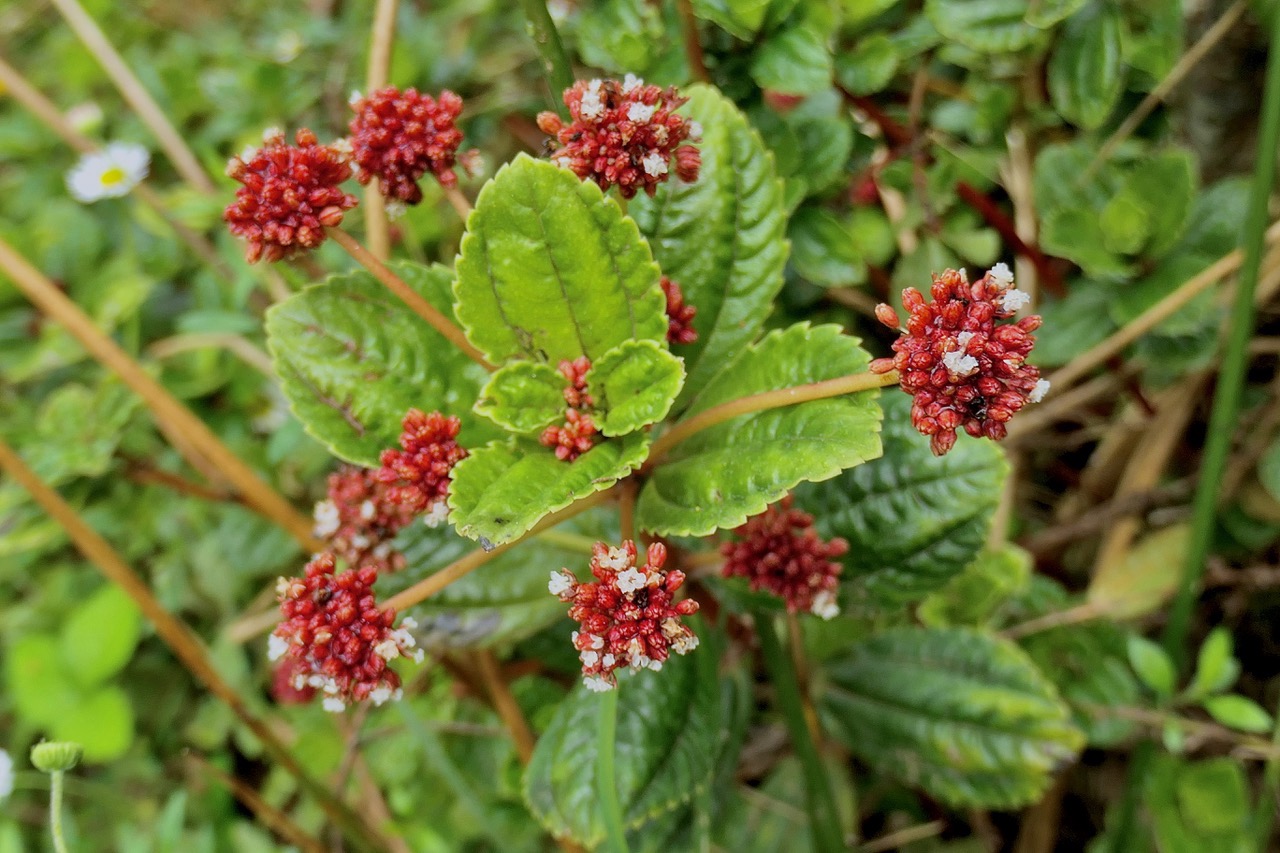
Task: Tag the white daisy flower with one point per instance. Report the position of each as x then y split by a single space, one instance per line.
1038 392
110 173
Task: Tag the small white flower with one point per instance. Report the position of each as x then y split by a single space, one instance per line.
342 147
1037 393
684 644
654 164
632 580
640 112
1014 299
368 510
560 583
408 623
395 209
962 339
596 684
388 649
360 541
608 661
616 560
85 117
327 520
591 106
589 658
437 515
333 705
109 173
272 134
355 97
6 774
380 694
631 82
1001 275
695 130
595 641
276 647
824 605
287 47
959 363
316 680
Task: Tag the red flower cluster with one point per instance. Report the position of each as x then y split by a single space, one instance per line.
359 520
575 437
333 627
628 614
290 683
398 136
290 194
961 366
624 134
418 474
779 551
679 315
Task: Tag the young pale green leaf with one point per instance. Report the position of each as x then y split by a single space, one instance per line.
1238 712
987 26
634 384
551 269
913 520
503 489
1075 233
1165 185
794 61
1216 665
870 66
36 678
101 722
963 714
1087 70
352 359
1125 225
99 636
971 597
722 237
721 476
523 396
668 736
1152 665
1142 581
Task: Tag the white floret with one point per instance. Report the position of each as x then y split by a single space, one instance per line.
1037 393
333 705
631 580
1013 300
654 164
960 363
631 82
591 105
1001 275
560 583
824 605
276 647
327 519
616 560
596 684
640 112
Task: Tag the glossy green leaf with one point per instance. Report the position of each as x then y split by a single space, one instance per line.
1046 13
1086 71
794 61
1152 665
987 26
721 476
1216 666
722 237
1238 712
524 396
668 737
352 359
503 489
913 520
870 66
634 385
100 634
101 722
551 269
963 714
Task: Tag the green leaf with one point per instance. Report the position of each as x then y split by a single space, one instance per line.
1063 180
721 476
352 359
1198 807
972 596
35 678
857 11
668 737
550 269
67 444
963 714
1144 579
1125 225
794 61
1152 665
101 722
913 520
503 489
987 26
870 66
1165 185
1045 13
1238 712
1216 665
1086 71
100 634
523 396
822 250
634 384
740 18
1269 469
721 237
1075 233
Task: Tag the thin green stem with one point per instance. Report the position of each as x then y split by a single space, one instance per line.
1226 401
55 811
606 777
555 61
824 819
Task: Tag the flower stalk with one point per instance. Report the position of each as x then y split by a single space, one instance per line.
606 775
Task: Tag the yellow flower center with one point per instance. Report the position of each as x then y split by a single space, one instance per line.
111 177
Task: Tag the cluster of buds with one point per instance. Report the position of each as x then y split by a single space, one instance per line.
290 194
398 136
332 626
291 681
418 474
628 615
624 134
679 314
779 551
576 435
359 519
961 366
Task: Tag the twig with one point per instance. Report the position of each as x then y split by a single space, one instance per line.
902 837
166 408
692 42
140 472
381 41
408 296
237 345
267 814
131 88
555 62
1103 515
505 704
1085 612
177 636
1248 746
458 201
